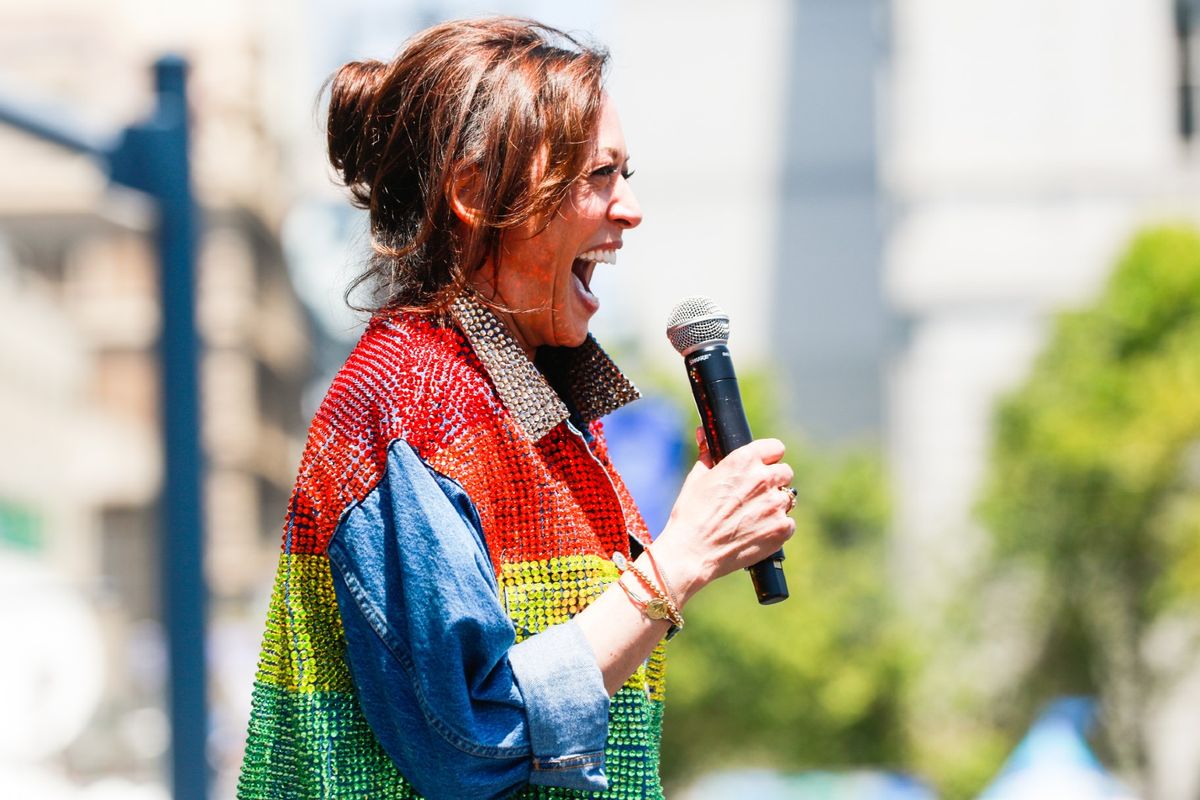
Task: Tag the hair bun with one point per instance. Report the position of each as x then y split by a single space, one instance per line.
352 129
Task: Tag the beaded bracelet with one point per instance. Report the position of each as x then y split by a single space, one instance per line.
660 606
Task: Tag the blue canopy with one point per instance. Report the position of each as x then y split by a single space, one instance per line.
1054 762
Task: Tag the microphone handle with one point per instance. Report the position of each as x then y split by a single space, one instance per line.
715 387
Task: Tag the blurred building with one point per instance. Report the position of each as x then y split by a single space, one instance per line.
79 385
830 324
1025 142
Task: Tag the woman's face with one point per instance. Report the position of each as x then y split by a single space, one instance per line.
545 275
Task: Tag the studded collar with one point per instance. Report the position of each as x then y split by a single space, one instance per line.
591 384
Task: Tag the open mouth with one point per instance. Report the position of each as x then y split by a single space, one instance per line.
583 269
585 265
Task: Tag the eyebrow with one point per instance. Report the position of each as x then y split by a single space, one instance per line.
613 153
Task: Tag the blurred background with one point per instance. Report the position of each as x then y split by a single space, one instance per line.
957 244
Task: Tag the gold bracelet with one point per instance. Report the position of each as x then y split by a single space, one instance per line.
661 606
634 597
662 579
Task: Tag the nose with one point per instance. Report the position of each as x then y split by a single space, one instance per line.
624 208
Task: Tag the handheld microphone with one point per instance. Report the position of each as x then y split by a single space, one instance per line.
698 330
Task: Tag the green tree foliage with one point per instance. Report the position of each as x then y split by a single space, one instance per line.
1094 487
814 681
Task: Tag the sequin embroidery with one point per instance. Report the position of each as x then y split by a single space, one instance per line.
553 510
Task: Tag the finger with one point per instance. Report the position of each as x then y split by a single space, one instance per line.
773 476
788 498
777 537
782 474
789 530
766 451
772 450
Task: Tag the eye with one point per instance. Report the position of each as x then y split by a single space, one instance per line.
608 170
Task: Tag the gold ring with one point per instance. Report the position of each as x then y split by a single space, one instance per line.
791 493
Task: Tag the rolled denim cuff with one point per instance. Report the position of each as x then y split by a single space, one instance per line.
566 707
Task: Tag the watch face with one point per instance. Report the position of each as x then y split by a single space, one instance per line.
656 608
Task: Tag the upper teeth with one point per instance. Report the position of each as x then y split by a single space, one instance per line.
605 256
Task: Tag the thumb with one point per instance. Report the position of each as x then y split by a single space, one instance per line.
705 456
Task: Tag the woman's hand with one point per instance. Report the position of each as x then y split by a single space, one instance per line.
727 516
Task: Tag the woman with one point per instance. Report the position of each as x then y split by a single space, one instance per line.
468 604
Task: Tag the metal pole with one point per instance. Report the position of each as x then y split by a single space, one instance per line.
184 595
1187 18
152 156
45 121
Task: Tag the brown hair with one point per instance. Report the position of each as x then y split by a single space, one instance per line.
497 96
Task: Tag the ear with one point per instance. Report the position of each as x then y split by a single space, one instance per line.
466 195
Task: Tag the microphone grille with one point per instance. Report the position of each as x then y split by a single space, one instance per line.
695 321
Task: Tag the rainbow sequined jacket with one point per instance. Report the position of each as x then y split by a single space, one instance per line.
465 400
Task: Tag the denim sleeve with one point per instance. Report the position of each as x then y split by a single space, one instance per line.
462 710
